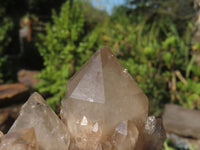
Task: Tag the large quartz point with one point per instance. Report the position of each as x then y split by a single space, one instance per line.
20 140
104 108
50 131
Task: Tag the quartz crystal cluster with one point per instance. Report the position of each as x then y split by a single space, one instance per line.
104 109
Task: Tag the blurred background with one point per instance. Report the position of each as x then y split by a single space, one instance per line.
44 42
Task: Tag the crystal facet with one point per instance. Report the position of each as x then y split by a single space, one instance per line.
20 140
89 90
103 94
50 131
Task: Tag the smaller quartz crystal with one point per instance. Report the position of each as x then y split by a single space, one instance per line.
125 136
50 131
154 134
20 140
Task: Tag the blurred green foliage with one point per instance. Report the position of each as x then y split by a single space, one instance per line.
167 145
157 55
5 26
64 48
153 47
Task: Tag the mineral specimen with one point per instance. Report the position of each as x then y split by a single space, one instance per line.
104 108
50 131
20 140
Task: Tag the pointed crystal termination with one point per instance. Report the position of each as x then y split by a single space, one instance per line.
100 96
20 140
50 131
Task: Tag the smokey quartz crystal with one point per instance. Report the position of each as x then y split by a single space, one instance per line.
104 108
51 132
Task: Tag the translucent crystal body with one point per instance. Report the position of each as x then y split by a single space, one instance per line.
104 108
50 131
20 140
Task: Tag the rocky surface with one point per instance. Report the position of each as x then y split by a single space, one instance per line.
28 77
7 116
183 143
182 121
13 93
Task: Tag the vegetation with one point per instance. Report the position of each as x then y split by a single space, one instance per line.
154 48
65 47
5 26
